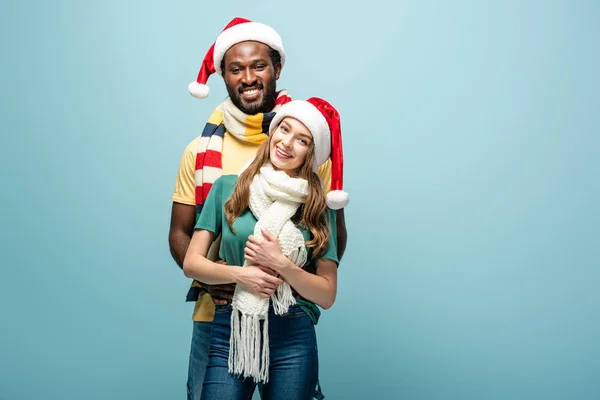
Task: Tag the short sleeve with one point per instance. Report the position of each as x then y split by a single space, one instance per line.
331 252
185 187
211 217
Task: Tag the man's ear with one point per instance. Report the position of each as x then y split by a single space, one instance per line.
277 70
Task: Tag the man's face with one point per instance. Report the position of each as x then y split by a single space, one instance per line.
250 77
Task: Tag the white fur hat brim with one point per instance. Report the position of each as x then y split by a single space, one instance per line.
249 31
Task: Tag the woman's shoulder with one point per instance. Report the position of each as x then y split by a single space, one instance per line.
226 180
225 184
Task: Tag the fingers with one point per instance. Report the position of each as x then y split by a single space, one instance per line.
222 294
252 246
249 252
268 235
228 287
272 280
267 270
267 292
251 259
219 302
254 240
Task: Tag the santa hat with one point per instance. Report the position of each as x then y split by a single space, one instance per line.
323 122
238 30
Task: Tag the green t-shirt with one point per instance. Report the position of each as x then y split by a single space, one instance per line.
232 247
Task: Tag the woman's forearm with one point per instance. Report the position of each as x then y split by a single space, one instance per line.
320 288
198 267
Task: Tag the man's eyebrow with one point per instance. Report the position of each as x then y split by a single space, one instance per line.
254 61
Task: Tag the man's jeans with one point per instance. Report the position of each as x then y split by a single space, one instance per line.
293 367
198 359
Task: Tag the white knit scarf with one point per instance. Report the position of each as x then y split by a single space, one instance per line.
274 199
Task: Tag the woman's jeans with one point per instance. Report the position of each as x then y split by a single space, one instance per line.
293 367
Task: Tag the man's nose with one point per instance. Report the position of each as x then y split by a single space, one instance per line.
248 76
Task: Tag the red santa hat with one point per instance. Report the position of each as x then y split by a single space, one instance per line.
323 122
238 30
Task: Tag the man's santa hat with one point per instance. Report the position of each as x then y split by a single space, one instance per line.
323 122
238 30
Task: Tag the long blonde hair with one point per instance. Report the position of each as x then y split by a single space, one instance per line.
313 211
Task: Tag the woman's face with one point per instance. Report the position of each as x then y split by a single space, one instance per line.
290 143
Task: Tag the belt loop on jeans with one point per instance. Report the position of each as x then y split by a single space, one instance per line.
318 393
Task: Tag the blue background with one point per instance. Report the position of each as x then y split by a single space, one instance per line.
471 136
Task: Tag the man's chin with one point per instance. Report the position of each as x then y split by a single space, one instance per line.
252 107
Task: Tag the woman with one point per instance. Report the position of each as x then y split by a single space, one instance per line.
273 221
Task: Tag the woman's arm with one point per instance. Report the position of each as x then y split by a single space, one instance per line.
320 288
197 266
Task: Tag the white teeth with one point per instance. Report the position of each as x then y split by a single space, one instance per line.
251 91
283 153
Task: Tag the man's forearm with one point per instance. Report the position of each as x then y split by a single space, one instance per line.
183 217
342 235
179 243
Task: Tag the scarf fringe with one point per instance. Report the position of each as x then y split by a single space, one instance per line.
274 199
249 347
283 299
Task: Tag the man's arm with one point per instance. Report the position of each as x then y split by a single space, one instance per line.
183 218
342 235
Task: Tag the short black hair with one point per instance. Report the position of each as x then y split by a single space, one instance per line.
273 54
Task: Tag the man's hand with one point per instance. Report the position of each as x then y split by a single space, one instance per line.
220 294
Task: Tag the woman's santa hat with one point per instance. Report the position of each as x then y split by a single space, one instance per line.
238 30
323 122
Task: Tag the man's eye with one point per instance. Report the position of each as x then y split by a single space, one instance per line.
260 67
235 70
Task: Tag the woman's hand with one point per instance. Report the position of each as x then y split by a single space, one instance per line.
266 252
258 280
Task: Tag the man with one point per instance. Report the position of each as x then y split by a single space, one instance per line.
249 56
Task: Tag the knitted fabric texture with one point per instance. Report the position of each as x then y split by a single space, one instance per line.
274 199
209 167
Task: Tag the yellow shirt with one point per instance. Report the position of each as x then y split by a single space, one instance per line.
236 153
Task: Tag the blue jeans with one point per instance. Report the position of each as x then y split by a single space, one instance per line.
293 367
198 359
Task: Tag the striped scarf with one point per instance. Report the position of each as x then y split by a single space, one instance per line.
248 128
209 166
